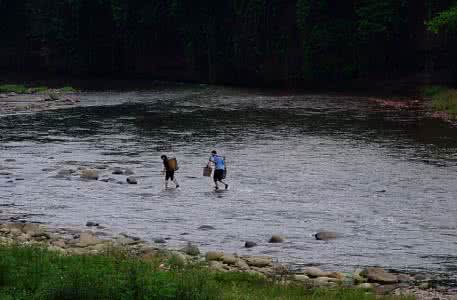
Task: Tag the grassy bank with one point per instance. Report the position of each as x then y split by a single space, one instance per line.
34 273
22 89
443 99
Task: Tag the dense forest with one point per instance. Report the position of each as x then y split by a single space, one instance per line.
257 42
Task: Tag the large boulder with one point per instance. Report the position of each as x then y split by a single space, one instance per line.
379 275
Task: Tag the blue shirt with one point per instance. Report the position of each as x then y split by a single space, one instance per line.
218 161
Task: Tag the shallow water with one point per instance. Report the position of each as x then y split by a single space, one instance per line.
297 164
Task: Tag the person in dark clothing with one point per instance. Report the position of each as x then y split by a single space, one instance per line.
169 171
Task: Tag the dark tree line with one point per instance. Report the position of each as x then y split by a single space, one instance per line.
291 42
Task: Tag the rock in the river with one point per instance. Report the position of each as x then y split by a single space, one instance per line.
250 244
5 173
191 250
128 172
160 241
64 173
92 224
214 255
379 275
10 160
132 180
315 272
276 239
89 174
206 227
325 235
118 171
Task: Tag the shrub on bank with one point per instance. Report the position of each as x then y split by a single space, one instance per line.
36 273
443 99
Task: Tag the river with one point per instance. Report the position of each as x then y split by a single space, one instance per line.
384 179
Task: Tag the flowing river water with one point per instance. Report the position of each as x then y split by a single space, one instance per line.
385 180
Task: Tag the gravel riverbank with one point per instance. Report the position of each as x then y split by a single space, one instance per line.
91 242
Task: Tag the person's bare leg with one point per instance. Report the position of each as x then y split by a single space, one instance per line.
226 185
166 184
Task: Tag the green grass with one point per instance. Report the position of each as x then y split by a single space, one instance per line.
13 88
68 89
443 99
34 273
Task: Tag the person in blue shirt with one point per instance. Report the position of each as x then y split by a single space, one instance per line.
219 168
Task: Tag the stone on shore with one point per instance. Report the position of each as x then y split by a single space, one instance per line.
325 235
379 275
191 250
87 239
91 224
275 238
301 277
214 255
241 265
258 261
229 259
89 174
365 285
315 272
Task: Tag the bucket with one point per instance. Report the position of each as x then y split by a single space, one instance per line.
172 164
207 171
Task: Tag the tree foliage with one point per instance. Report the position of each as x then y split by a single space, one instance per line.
233 41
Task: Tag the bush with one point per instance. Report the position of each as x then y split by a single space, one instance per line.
446 101
432 90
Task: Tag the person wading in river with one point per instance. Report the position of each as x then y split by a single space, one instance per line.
219 170
169 168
